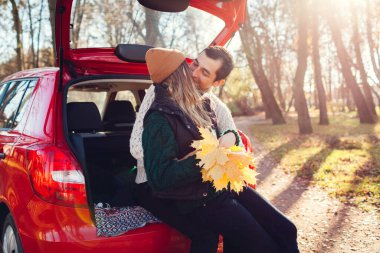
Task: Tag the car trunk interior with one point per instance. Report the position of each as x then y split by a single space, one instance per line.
100 116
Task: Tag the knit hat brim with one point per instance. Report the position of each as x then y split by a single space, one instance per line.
163 62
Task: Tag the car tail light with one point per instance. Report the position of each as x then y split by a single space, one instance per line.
56 176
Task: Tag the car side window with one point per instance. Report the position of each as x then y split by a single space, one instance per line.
24 102
14 101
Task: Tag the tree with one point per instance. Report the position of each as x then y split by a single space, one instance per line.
39 33
274 60
18 28
52 4
77 21
252 49
356 40
365 114
31 32
153 34
323 117
304 122
371 43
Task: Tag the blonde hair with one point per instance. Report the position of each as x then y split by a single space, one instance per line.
186 94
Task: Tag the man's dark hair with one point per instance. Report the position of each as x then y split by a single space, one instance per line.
220 53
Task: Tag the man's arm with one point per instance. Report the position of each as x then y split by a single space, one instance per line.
223 114
224 120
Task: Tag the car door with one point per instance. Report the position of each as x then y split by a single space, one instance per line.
13 104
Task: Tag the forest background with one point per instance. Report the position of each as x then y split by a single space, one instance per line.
310 69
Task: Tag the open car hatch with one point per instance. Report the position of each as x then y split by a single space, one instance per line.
104 37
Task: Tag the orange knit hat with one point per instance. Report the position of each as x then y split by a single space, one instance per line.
163 62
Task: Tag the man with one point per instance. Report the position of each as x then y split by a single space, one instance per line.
210 69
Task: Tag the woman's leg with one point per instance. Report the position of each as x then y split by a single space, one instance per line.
225 215
278 226
202 240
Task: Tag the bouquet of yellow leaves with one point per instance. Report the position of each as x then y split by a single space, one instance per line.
223 166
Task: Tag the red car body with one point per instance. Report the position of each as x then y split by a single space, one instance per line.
62 222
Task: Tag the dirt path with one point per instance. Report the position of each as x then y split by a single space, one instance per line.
324 224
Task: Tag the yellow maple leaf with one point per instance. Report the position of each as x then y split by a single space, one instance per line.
196 145
215 156
205 176
222 183
236 149
232 170
223 166
237 186
216 172
249 176
208 136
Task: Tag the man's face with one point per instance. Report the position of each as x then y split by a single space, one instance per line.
204 71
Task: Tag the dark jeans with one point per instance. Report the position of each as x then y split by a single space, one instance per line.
202 240
240 229
246 220
278 226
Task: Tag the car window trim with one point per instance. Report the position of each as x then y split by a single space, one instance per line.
5 91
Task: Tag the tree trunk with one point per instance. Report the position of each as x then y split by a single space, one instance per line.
277 63
329 83
79 12
359 63
323 117
371 43
275 66
153 36
252 49
377 95
364 112
290 103
304 122
18 28
266 108
52 4
31 27
39 35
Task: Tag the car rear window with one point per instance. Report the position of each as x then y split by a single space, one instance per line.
97 97
126 95
111 22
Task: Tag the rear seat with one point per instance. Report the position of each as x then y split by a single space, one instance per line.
106 156
119 116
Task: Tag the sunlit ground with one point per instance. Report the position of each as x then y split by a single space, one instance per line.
343 158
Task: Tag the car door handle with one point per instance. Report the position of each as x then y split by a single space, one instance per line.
2 155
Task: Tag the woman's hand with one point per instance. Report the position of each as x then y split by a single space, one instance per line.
228 140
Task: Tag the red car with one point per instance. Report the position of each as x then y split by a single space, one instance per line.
58 158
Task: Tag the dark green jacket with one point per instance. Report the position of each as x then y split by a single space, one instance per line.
167 136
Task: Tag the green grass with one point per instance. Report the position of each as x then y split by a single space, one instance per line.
343 157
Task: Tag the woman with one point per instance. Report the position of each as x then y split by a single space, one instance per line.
202 239
170 126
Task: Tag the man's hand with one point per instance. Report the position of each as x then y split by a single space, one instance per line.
228 140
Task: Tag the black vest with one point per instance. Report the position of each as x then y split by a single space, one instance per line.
185 132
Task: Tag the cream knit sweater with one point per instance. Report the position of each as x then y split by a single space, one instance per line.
223 116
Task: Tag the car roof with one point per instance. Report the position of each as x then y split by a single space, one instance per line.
32 73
